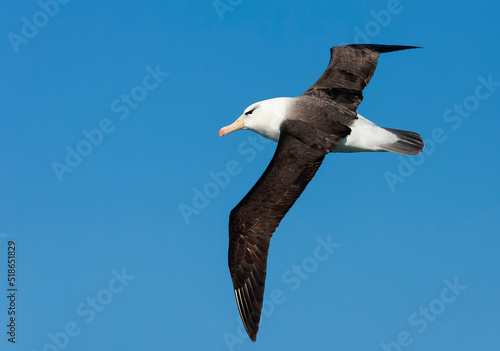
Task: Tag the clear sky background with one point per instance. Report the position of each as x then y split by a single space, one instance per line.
116 188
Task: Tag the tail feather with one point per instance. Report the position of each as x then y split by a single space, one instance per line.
409 143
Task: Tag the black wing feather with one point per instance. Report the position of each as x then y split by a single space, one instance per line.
350 69
253 221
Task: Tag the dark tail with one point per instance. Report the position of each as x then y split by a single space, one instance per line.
409 143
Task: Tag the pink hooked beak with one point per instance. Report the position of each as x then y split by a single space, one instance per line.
238 124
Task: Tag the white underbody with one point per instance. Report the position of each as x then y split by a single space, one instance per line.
365 136
269 114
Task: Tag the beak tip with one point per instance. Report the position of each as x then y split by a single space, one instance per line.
238 124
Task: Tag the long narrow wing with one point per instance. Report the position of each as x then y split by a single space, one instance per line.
253 221
350 69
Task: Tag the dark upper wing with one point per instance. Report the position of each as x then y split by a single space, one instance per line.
253 221
350 69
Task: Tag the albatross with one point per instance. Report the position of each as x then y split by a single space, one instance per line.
320 121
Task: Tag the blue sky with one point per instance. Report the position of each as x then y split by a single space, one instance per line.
116 188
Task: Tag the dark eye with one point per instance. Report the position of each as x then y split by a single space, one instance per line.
249 112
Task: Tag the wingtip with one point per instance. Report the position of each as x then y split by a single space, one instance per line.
246 315
390 48
381 48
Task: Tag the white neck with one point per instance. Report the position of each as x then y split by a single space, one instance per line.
268 116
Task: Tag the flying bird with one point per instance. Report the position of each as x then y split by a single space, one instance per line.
307 127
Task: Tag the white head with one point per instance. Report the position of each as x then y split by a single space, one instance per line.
263 117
